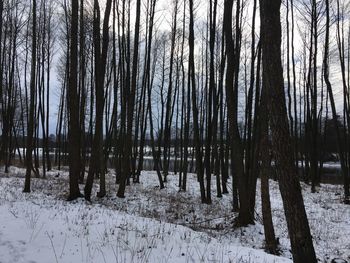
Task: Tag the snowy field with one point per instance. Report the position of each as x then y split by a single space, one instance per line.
152 225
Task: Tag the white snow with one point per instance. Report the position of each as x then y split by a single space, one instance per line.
152 225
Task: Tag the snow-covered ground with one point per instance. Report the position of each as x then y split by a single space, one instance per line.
152 225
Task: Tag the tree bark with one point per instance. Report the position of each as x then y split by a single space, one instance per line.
298 226
246 216
30 126
73 109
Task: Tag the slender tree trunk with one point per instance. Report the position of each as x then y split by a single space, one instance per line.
97 163
129 105
344 167
30 126
192 84
73 109
246 216
270 238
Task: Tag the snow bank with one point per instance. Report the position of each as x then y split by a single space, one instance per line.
42 227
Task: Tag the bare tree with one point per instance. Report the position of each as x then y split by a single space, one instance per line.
30 126
73 108
298 226
97 164
246 216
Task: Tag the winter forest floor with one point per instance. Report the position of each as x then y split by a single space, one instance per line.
152 225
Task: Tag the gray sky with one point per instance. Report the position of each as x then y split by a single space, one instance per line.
163 18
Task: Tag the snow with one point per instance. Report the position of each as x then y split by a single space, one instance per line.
152 225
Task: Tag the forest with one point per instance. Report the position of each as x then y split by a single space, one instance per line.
175 131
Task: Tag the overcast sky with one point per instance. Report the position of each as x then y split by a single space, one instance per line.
163 18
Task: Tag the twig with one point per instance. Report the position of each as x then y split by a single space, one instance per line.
13 213
208 220
53 247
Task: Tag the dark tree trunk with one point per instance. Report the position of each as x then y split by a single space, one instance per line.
344 167
246 216
192 84
97 163
30 126
298 226
73 109
129 107
270 238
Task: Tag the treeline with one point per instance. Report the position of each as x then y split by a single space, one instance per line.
202 78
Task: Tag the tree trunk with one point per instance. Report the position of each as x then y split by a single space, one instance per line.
73 109
246 216
298 226
30 126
